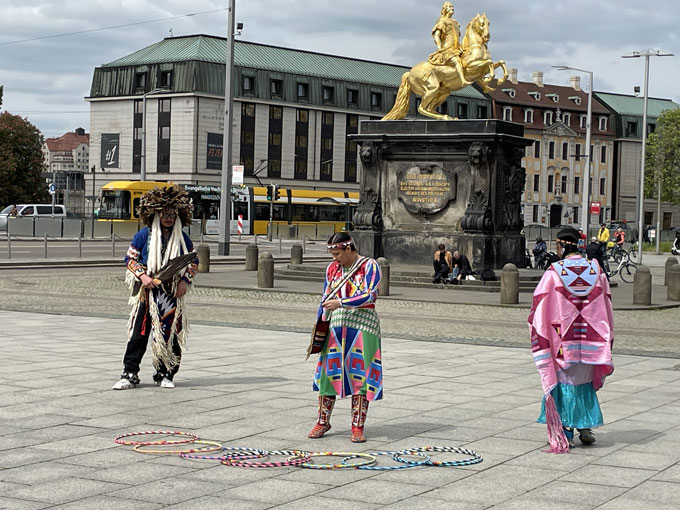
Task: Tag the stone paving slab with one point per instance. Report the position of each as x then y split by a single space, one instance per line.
58 418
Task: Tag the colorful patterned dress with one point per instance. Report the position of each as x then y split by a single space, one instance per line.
571 324
350 362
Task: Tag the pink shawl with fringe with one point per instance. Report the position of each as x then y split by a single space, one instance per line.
571 322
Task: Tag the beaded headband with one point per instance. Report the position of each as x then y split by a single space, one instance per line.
340 245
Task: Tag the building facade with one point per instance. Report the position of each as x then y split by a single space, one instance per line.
162 107
67 159
628 115
555 117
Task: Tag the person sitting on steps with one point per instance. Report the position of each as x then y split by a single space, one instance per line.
442 263
461 268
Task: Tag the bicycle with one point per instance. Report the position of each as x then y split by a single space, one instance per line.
625 269
617 253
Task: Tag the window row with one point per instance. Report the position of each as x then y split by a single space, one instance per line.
535 151
549 116
302 92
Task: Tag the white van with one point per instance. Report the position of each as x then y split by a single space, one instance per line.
32 211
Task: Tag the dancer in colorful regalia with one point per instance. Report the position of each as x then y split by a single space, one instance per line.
158 308
350 361
572 331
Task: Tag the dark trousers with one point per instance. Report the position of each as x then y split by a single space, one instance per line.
136 346
441 270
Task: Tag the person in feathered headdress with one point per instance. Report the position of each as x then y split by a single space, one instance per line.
158 307
572 332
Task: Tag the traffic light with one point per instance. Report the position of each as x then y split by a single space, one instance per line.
270 191
277 192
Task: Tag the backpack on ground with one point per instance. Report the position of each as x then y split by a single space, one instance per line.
487 275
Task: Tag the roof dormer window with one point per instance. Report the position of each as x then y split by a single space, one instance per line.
509 92
535 94
603 124
554 97
528 116
575 99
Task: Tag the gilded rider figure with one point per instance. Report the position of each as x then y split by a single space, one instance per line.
446 35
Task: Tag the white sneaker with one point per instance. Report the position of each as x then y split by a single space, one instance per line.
123 384
167 383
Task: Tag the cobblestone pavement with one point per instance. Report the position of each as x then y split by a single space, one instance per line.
102 292
251 387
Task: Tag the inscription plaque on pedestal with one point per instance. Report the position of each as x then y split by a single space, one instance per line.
426 189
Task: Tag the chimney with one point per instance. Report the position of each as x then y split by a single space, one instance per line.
537 76
512 75
575 83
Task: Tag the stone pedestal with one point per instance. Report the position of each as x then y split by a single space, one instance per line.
429 182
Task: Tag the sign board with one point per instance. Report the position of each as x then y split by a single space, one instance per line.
109 148
51 189
595 207
214 151
652 233
237 174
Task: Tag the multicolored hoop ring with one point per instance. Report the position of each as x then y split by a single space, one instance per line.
296 458
240 453
190 438
474 458
367 460
425 459
213 446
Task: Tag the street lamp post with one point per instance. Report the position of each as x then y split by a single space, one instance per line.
589 156
225 182
641 197
142 175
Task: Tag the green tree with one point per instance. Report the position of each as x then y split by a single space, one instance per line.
662 161
21 162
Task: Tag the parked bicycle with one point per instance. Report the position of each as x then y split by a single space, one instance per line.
625 269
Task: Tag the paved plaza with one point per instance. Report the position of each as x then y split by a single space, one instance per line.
251 387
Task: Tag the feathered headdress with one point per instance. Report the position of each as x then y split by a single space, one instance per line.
168 200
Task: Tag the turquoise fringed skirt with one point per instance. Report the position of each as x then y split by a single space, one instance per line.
578 406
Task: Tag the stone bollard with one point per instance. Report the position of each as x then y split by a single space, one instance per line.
265 271
384 289
296 254
251 257
642 286
203 252
673 292
510 285
670 261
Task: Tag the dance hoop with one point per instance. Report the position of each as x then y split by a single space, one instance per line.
295 458
474 458
240 453
367 460
190 438
212 447
402 465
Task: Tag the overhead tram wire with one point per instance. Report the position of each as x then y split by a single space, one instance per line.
111 27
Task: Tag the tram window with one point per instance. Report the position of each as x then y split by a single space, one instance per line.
135 206
332 213
242 209
261 212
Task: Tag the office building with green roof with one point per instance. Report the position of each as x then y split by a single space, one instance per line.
628 118
293 110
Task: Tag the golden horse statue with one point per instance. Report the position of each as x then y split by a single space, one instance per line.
433 82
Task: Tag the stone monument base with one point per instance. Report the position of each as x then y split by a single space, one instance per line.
483 250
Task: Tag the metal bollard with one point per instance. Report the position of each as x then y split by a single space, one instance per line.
203 252
9 246
265 271
296 254
510 285
280 246
642 286
384 289
670 261
113 245
251 256
45 244
673 292
80 246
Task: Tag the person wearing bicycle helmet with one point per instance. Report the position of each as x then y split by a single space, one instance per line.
572 330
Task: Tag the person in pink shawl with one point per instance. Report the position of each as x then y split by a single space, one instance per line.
572 331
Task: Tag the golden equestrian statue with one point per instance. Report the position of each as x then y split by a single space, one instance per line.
452 67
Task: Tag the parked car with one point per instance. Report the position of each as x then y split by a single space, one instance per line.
31 211
532 230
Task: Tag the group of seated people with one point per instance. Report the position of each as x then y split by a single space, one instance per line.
450 268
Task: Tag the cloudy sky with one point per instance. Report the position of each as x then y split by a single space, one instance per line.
47 78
